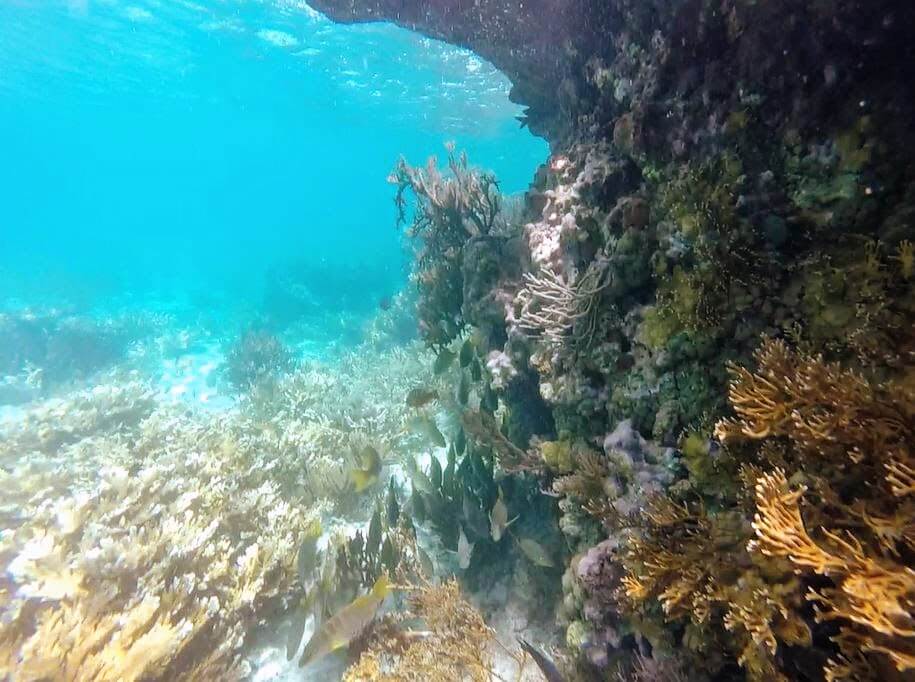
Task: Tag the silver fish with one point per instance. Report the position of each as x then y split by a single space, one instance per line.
296 630
464 550
420 480
498 519
424 425
535 552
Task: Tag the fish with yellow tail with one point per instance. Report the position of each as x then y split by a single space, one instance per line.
347 624
369 469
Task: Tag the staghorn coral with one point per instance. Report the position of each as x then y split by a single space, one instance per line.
322 413
50 347
850 440
157 566
147 541
255 358
52 424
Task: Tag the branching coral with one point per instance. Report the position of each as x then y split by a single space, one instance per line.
322 413
146 541
482 428
50 425
851 441
451 211
558 311
171 549
695 564
257 357
467 202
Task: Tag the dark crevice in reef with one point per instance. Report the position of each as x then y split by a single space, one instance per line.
725 227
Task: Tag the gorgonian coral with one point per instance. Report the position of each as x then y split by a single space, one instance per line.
823 455
846 518
558 311
451 210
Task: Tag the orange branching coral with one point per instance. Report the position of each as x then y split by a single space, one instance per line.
761 611
851 441
901 477
820 405
696 566
874 596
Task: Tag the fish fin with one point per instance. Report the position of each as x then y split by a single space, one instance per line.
382 587
547 668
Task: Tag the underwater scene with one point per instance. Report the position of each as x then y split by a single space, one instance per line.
457 340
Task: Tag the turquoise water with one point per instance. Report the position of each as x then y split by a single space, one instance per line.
176 152
207 320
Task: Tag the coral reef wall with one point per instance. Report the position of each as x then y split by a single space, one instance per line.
562 56
722 172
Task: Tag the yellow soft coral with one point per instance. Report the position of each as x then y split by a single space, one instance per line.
870 592
851 441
